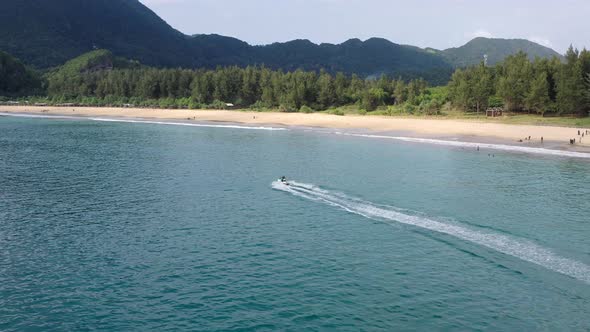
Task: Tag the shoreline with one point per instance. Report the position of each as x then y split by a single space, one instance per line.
554 137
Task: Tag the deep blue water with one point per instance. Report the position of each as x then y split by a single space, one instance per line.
126 226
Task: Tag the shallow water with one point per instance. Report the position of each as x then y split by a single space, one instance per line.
135 226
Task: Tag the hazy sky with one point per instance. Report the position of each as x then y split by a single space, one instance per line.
433 23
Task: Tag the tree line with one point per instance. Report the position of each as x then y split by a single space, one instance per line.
517 84
520 85
244 87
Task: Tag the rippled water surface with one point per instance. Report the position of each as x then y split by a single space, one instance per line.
133 226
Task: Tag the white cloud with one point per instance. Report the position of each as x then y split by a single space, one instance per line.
160 2
481 33
540 40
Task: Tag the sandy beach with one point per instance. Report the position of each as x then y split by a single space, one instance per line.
444 128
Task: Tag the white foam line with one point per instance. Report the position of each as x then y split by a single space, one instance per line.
501 147
188 124
520 248
142 121
23 115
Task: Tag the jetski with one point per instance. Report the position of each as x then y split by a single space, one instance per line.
284 181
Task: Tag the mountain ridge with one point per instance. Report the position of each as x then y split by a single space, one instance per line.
49 33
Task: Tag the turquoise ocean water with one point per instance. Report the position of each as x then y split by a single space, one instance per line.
143 226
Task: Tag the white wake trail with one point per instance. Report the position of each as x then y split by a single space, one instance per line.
520 248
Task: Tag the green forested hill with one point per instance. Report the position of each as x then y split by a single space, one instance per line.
16 78
371 57
46 33
496 49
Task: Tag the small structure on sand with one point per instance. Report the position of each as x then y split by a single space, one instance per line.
230 106
494 112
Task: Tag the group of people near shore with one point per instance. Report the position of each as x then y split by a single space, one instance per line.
528 138
580 136
572 141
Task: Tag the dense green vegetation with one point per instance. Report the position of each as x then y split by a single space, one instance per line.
521 85
48 33
16 79
75 72
97 78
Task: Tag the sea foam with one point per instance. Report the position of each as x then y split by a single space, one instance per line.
170 123
474 145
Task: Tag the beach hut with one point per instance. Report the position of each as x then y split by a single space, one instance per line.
494 112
